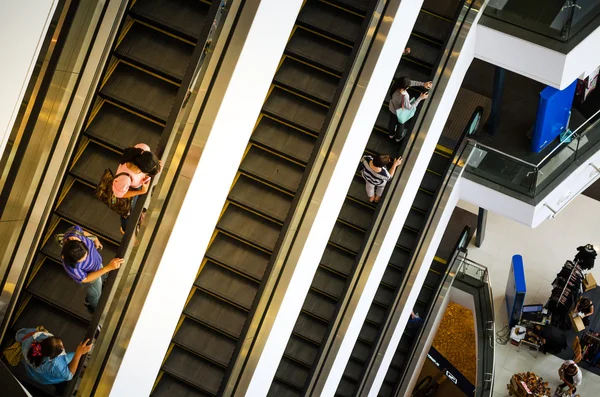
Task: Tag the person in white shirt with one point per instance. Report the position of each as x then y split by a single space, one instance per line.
570 374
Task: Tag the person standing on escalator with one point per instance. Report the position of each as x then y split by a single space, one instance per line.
137 166
375 173
400 101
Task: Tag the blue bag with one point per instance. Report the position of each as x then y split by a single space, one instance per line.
404 114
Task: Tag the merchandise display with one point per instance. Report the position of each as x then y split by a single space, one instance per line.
528 384
586 256
590 348
567 287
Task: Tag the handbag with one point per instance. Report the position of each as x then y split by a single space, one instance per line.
13 353
405 114
60 237
104 192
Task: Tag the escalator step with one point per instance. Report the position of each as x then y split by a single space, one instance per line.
51 283
426 295
393 375
301 350
182 17
250 227
360 6
329 283
392 276
261 198
319 305
386 390
356 214
310 328
226 284
283 139
168 386
312 48
415 219
400 258
337 259
431 182
408 239
140 91
346 237
295 110
216 313
205 342
432 26
438 163
368 333
132 129
272 169
156 51
293 373
280 389
90 166
192 369
432 280
330 21
83 208
361 351
346 388
383 118
353 370
376 314
420 308
399 359
313 83
379 142
238 255
423 201
357 190
384 295
405 344
70 329
424 51
446 8
438 267
414 71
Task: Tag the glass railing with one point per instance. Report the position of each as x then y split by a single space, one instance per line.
528 178
557 19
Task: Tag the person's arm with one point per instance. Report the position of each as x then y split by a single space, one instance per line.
397 162
81 351
409 106
113 265
426 84
132 193
591 311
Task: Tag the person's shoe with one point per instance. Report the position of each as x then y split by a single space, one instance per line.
89 307
398 140
391 136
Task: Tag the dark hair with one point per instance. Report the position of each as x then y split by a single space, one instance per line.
585 302
49 347
381 160
146 161
73 251
571 369
401 83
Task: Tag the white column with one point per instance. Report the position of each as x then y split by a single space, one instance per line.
260 53
23 27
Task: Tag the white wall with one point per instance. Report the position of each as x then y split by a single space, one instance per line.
536 62
23 26
260 54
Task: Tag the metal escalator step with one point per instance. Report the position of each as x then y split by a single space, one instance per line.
420 308
140 91
438 267
261 198
356 214
272 169
169 386
82 208
226 284
393 374
319 305
433 280
155 50
250 227
280 389
368 333
376 314
399 358
132 128
432 27
314 49
307 80
238 255
283 139
426 295
194 370
400 258
392 276
71 329
51 283
205 342
415 219
346 237
361 351
346 388
438 163
328 282
386 390
353 369
414 71
384 295
292 373
424 51
383 118
90 166
310 328
337 259
445 8
407 239
357 191
182 17
360 6
423 201
301 350
330 21
295 110
379 142
216 313
405 343
431 182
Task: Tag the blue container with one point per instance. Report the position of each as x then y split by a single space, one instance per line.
515 290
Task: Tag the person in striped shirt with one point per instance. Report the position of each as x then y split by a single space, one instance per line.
83 263
376 174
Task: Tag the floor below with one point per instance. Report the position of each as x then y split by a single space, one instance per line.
544 249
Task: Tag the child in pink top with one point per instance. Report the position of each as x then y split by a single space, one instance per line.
141 165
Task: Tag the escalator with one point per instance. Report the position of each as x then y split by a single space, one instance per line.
132 104
330 283
212 324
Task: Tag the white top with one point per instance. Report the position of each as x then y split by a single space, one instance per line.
578 377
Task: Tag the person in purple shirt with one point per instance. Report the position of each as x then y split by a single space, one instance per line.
83 263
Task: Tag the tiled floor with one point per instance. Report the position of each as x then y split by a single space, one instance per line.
544 250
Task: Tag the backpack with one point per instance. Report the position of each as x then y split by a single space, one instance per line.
60 237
